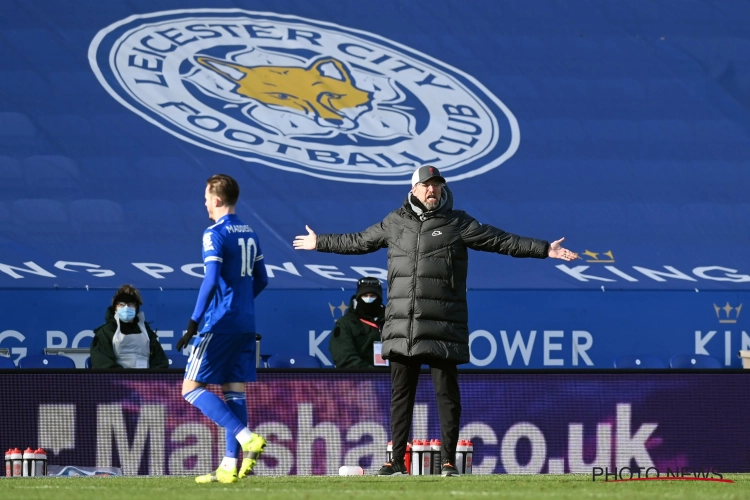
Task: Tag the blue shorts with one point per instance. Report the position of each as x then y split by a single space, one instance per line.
222 358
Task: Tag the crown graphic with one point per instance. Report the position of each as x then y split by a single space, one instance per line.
727 316
343 307
590 256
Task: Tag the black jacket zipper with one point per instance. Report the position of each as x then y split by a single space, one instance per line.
414 284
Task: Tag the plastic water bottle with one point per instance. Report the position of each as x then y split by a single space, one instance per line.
8 464
461 451
469 457
28 462
351 470
437 464
41 462
417 457
426 458
389 452
16 457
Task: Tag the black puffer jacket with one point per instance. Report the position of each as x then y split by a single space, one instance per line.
428 262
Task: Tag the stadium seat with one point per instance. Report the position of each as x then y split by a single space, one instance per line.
694 361
177 360
76 131
97 171
6 363
156 174
264 360
52 176
112 136
5 221
40 219
66 125
645 361
11 176
102 219
15 127
76 85
159 219
293 361
46 361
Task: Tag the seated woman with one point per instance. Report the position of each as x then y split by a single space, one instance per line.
126 340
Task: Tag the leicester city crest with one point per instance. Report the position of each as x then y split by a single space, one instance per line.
302 95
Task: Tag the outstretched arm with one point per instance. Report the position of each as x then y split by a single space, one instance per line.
492 239
307 241
371 239
556 251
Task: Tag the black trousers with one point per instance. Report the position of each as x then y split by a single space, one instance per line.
404 379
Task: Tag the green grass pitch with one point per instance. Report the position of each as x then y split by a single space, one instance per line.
542 487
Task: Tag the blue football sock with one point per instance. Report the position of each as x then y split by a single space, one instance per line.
236 402
214 408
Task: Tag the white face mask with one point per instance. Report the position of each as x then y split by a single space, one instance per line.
368 300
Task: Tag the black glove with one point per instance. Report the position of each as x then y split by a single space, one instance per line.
192 329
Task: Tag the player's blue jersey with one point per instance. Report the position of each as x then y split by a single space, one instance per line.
235 245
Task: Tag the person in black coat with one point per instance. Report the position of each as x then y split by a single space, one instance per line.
352 339
125 340
427 315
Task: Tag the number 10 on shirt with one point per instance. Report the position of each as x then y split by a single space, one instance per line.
249 251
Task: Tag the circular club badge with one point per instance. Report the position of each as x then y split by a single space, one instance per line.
303 96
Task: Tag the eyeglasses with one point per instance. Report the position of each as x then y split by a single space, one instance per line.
368 282
434 185
123 304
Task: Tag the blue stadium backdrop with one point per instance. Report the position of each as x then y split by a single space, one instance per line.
621 126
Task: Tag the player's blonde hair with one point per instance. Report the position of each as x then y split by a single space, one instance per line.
225 188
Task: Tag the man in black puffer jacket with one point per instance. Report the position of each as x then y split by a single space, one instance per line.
427 316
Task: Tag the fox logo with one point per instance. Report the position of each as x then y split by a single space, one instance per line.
302 95
323 91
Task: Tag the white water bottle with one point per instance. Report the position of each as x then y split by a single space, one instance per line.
16 458
28 462
8 464
351 470
40 463
389 452
426 458
461 456
417 454
469 456
437 464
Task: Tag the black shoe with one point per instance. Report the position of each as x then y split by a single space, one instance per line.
448 469
392 469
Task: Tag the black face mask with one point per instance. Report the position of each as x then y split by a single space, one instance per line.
372 310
